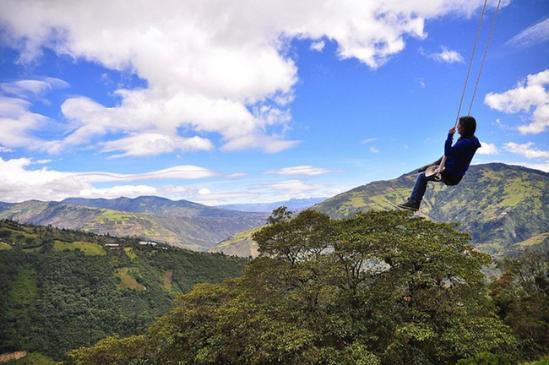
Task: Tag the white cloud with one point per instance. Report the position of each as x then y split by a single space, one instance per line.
374 149
368 140
18 182
26 88
529 96
542 166
269 144
128 191
209 66
526 149
17 122
318 46
294 186
447 55
535 34
301 170
154 143
487 149
5 149
236 175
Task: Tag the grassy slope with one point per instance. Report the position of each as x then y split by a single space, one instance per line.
50 286
498 205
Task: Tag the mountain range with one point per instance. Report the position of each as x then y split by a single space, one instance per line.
179 223
504 208
294 205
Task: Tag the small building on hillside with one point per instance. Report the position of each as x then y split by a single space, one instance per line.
148 243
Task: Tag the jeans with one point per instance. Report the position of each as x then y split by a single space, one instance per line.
421 185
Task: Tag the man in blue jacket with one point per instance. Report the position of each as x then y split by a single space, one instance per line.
458 159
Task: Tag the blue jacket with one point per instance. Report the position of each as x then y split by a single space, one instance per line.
459 156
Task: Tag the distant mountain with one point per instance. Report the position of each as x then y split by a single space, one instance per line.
4 205
504 208
179 223
294 205
153 205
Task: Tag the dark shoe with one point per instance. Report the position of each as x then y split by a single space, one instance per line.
409 205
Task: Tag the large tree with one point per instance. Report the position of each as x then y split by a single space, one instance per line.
378 288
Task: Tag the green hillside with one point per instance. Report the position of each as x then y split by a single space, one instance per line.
504 208
178 223
60 289
241 244
499 205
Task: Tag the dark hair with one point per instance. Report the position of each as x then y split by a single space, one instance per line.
469 126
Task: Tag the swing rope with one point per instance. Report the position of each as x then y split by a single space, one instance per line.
471 58
483 60
440 168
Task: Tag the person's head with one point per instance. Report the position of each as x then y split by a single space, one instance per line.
467 126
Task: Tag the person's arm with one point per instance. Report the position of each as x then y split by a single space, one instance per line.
448 145
458 149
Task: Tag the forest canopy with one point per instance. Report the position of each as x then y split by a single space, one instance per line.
378 288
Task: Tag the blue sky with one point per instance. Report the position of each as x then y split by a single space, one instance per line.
246 103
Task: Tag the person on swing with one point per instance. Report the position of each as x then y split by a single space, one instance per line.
458 158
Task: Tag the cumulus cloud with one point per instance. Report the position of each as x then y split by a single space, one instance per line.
528 150
487 149
209 66
19 182
447 55
301 170
535 34
17 123
529 96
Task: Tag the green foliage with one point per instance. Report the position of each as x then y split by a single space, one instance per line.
484 358
4 246
90 249
33 358
52 301
521 295
24 288
280 214
378 288
542 361
111 351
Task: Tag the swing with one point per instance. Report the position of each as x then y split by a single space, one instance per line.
437 170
